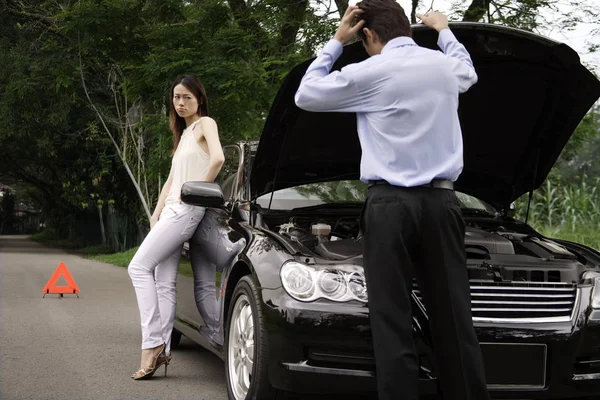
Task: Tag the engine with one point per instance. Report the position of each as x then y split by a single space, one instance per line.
498 250
338 240
503 251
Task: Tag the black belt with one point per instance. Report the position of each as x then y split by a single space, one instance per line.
436 183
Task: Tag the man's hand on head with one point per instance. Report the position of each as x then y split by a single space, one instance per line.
435 20
347 28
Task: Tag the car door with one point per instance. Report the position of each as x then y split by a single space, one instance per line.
213 249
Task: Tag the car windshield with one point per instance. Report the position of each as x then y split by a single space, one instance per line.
345 192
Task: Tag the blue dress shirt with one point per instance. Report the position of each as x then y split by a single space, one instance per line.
406 102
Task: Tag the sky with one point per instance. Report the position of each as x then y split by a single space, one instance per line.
579 38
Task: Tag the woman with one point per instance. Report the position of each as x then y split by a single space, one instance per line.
197 156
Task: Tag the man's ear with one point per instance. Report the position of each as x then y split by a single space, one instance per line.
370 35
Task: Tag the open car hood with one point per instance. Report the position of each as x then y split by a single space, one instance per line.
531 94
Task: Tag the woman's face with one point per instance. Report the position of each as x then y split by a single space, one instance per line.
185 103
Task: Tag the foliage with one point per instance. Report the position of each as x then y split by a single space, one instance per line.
579 157
7 211
46 236
86 89
335 192
567 205
50 237
569 211
86 84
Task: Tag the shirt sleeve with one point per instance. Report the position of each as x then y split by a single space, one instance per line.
462 65
320 90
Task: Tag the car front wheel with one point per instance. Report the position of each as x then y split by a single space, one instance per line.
246 346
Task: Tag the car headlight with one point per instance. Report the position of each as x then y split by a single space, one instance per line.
332 282
595 278
358 286
298 281
596 294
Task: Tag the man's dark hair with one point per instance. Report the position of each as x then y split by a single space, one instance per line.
386 17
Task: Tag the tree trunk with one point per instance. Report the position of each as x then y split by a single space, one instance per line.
413 11
118 148
476 10
296 11
102 231
342 6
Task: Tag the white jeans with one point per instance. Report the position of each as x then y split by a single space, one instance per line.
205 294
153 271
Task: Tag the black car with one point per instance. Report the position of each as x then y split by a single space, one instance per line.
279 279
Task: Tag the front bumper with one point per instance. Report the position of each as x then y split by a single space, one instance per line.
325 347
322 347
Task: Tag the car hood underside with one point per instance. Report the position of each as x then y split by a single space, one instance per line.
531 94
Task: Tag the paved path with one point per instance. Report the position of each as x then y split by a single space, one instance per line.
86 347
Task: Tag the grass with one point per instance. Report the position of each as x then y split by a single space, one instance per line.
100 253
49 237
588 237
92 250
570 212
123 259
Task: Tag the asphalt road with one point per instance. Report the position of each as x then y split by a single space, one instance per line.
86 347
73 348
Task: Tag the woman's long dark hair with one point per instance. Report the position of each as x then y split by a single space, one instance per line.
176 122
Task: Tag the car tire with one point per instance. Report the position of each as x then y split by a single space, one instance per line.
175 338
246 346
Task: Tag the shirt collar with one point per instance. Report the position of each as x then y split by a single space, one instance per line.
398 42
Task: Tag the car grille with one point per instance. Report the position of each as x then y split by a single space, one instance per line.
518 301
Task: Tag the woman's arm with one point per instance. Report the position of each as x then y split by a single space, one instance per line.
161 200
215 150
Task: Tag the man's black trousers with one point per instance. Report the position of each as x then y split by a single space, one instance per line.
420 230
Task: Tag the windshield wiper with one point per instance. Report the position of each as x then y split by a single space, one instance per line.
329 206
477 211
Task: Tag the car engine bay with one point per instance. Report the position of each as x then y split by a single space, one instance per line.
497 249
335 238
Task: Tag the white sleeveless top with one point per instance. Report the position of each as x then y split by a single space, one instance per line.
190 163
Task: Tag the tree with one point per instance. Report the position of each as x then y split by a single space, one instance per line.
86 85
7 211
580 157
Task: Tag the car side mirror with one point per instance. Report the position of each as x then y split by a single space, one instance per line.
203 194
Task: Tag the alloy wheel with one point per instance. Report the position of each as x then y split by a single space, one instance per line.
241 347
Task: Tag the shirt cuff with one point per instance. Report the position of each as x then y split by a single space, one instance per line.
446 36
334 48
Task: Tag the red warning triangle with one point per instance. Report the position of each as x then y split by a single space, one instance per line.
51 287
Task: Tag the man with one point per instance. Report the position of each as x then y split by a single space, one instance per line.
406 99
